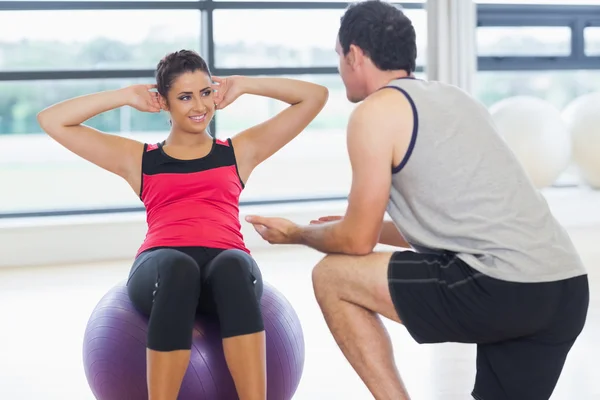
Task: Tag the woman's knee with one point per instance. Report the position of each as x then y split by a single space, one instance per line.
162 270
178 269
234 269
236 285
166 286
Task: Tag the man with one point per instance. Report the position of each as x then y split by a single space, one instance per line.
484 262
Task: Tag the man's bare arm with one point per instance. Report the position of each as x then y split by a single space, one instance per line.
391 236
377 127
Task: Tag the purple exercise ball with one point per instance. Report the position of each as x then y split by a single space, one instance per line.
114 351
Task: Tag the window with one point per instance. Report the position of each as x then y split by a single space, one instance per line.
537 48
285 40
315 163
592 41
20 101
102 39
282 40
38 174
557 87
524 41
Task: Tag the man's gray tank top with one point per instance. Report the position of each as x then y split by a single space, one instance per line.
460 189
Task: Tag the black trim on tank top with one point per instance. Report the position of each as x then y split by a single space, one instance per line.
415 131
237 171
164 153
158 162
142 171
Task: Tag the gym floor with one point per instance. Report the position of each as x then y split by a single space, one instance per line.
45 309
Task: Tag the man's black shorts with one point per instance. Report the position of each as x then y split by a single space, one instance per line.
523 331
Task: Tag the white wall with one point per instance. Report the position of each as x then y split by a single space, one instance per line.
81 239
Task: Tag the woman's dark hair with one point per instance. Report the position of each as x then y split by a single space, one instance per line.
383 32
175 64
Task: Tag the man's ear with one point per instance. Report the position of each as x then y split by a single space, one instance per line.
356 57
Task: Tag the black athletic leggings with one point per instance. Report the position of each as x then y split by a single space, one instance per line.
171 285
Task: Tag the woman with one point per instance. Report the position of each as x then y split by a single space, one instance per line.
193 258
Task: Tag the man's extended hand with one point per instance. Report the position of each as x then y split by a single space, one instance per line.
275 230
323 220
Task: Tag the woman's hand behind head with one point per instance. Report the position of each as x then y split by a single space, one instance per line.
143 98
227 90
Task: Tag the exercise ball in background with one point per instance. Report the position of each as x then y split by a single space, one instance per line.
114 352
582 116
536 133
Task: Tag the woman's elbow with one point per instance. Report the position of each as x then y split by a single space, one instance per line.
317 100
43 119
322 95
48 122
315 94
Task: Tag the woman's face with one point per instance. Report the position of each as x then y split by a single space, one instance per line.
190 102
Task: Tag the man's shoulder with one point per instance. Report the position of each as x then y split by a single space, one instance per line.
384 118
385 103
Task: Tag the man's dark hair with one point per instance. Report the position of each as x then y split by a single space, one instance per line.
176 64
383 32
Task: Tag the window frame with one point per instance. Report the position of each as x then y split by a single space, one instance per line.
591 23
575 17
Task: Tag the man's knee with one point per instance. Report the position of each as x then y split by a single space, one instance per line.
357 280
327 276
